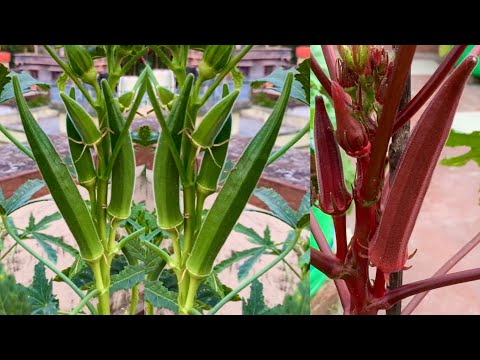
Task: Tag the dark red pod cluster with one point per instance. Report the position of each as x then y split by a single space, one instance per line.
388 249
351 134
346 77
334 199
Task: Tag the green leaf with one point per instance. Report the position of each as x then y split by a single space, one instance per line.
50 251
22 195
130 276
43 223
277 205
62 81
159 296
58 241
237 77
303 213
136 249
26 82
144 136
220 288
461 139
246 267
304 259
236 256
40 293
253 236
303 76
277 79
152 261
256 302
13 297
4 79
296 304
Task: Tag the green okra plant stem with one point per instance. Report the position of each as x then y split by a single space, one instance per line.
15 141
84 301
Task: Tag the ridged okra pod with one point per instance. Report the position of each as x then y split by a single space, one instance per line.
237 190
83 122
166 181
123 170
213 121
213 161
59 182
81 157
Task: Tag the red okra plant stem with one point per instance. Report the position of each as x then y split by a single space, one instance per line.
327 264
321 76
318 235
442 271
422 286
340 225
430 87
396 83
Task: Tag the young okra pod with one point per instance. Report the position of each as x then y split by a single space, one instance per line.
213 121
83 122
237 190
62 187
213 161
215 58
81 156
123 170
81 63
166 181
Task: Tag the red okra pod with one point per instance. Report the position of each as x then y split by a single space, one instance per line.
388 250
334 199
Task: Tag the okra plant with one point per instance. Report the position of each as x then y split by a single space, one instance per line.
103 157
366 85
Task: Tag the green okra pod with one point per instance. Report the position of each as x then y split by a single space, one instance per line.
123 170
83 122
81 156
213 161
212 123
59 182
166 181
237 190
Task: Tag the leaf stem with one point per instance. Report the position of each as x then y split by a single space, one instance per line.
288 145
255 276
159 252
84 301
134 299
128 238
15 141
442 271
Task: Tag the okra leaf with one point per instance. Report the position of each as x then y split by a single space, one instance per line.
304 259
297 303
277 79
256 302
253 236
151 261
236 256
471 140
303 76
4 79
136 249
159 296
62 81
13 296
26 82
58 241
237 77
40 293
43 223
22 195
220 288
49 250
130 276
303 213
144 136
246 267
277 205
